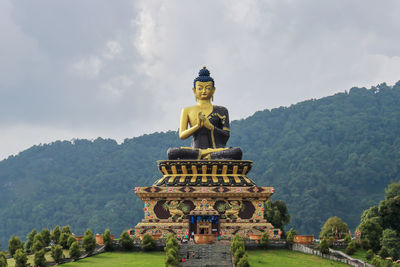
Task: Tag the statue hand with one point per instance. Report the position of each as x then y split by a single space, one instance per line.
208 124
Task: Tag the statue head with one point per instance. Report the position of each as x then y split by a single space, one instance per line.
204 85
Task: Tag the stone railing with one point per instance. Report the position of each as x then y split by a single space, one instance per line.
335 255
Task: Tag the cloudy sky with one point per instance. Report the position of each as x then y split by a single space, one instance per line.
119 69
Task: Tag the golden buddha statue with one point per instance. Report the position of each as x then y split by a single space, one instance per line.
208 125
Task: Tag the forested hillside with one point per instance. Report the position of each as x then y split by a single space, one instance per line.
332 156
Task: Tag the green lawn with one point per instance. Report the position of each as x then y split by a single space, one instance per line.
359 254
116 259
287 258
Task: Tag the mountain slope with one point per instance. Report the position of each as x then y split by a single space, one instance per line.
332 156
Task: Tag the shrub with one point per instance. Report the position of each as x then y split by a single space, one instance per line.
290 236
14 244
383 252
171 251
238 254
45 233
107 240
55 234
264 240
75 251
70 240
170 259
244 261
20 258
148 242
29 240
3 259
351 248
365 244
324 246
370 254
63 240
40 260
125 241
347 239
331 240
57 253
237 242
88 241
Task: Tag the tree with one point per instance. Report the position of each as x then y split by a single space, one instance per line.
40 260
3 259
389 209
334 226
37 243
20 258
71 240
14 244
237 242
45 233
55 234
170 259
88 242
244 261
370 229
125 241
107 240
239 253
264 240
148 242
29 240
369 255
276 213
171 251
391 240
290 236
324 246
57 253
75 251
63 240
66 230
351 248
347 239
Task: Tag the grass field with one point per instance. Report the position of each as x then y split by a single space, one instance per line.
287 258
116 259
11 261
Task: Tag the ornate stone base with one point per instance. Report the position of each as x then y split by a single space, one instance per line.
214 198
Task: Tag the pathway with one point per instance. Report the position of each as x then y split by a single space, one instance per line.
206 255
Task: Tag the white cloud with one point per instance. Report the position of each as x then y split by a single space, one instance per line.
133 64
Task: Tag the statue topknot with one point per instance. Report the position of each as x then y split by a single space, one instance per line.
204 76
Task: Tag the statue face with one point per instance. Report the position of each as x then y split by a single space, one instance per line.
204 90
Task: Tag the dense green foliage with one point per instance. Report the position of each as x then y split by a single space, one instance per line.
14 244
264 240
40 260
326 157
88 242
334 226
379 224
107 240
75 251
290 236
171 251
3 260
324 246
125 241
57 253
148 243
20 258
276 213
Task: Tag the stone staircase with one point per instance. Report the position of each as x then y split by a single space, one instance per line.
206 255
